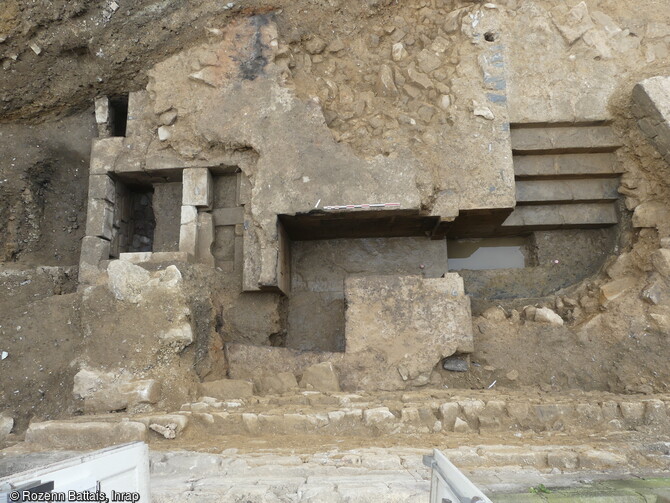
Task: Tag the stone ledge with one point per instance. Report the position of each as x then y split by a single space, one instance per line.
84 435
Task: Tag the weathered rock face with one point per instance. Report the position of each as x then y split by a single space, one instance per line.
131 283
140 322
277 384
320 377
137 286
110 392
407 324
237 83
225 389
595 49
6 425
126 280
651 107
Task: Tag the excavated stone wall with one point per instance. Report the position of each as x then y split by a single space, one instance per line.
474 118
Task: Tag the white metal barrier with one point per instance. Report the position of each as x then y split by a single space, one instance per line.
118 473
448 484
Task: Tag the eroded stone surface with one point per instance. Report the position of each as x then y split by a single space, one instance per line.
410 323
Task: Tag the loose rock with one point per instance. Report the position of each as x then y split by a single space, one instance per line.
168 431
385 85
428 61
482 111
278 384
224 389
660 259
546 315
512 375
320 377
315 45
455 364
398 52
615 289
461 426
496 313
126 280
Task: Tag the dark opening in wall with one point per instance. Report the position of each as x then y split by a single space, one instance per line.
142 220
134 220
325 248
488 253
118 111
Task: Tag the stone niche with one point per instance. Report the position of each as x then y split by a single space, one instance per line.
147 217
321 268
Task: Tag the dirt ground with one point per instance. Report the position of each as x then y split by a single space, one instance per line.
57 56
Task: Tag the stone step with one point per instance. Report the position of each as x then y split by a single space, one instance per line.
566 191
374 474
566 140
627 491
390 473
342 415
358 475
561 216
566 165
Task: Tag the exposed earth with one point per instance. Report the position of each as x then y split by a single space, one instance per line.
590 312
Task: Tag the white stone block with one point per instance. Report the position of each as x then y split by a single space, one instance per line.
102 110
197 187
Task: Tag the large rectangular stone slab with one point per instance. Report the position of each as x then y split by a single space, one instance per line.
556 216
651 98
318 271
205 239
228 216
410 322
94 251
564 139
574 165
84 435
100 218
104 154
188 231
139 113
167 211
101 187
547 191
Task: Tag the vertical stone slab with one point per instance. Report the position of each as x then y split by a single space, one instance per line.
243 194
167 212
100 219
651 107
139 114
248 259
103 117
197 187
188 230
205 239
94 250
101 187
284 262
